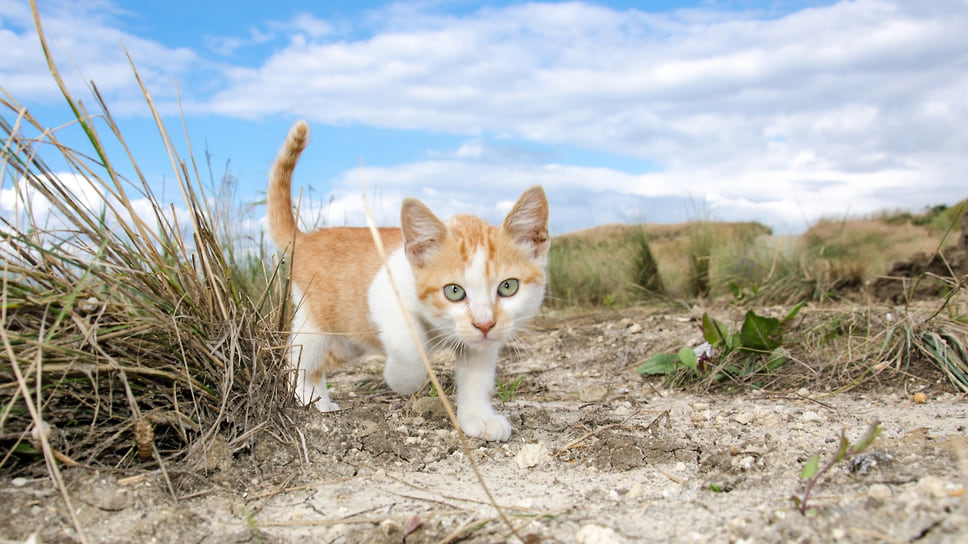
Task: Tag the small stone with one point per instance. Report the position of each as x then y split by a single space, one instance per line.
635 491
744 418
532 455
803 392
770 420
920 398
879 491
933 486
743 463
635 328
699 406
592 393
810 415
19 482
391 528
596 534
432 406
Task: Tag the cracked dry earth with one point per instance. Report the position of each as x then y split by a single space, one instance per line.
599 455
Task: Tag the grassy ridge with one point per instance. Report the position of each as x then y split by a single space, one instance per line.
601 266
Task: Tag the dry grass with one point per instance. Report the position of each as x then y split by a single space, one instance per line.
744 261
597 266
129 337
860 249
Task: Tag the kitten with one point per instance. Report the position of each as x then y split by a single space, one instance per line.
467 286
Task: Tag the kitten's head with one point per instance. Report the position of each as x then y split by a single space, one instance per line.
477 283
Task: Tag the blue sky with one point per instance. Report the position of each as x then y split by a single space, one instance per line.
774 111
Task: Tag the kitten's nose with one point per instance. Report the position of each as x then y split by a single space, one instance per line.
484 327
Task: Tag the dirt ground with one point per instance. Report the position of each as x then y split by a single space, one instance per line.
599 455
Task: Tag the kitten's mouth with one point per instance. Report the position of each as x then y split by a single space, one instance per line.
481 341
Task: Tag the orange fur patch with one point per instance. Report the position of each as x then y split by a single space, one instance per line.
334 268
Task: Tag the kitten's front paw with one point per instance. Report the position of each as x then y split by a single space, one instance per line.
489 427
324 405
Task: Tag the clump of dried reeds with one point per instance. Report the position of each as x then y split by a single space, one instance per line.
127 334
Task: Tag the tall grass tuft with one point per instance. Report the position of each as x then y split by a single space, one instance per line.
610 266
645 269
699 254
129 335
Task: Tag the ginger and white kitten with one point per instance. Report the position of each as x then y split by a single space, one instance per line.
467 286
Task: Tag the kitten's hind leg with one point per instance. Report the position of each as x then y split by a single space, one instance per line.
312 355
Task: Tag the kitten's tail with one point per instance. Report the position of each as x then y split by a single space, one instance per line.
282 221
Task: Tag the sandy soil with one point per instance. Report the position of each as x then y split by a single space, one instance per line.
599 454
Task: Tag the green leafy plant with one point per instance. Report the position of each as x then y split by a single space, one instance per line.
726 353
254 533
505 391
813 472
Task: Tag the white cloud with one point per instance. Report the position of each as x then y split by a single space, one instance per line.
853 106
866 95
85 36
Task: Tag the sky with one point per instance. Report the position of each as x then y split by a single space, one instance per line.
782 111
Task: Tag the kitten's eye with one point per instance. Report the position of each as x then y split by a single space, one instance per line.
508 288
454 292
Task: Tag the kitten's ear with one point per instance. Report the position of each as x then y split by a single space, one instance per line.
423 233
527 222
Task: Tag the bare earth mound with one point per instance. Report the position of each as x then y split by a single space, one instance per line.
599 454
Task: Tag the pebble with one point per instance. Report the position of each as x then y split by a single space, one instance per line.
592 393
810 415
635 491
431 405
635 328
596 534
879 491
770 420
699 417
743 463
744 418
532 455
933 486
19 482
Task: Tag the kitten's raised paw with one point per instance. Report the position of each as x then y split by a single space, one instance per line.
490 427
